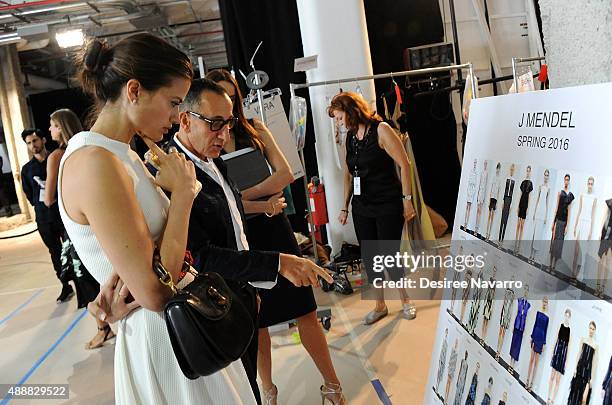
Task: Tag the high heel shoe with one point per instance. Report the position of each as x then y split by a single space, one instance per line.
333 393
269 396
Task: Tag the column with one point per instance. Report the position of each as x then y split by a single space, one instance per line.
15 118
337 32
577 38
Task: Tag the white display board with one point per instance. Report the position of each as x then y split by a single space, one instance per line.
278 124
563 132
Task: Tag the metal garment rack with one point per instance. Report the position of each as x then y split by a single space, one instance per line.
293 87
516 61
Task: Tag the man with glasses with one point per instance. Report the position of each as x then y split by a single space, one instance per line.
217 235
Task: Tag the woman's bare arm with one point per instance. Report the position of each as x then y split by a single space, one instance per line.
110 207
281 176
53 164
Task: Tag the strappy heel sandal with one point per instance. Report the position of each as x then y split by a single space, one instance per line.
108 334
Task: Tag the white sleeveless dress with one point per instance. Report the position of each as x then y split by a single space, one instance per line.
146 371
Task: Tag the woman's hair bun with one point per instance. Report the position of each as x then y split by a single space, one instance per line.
95 55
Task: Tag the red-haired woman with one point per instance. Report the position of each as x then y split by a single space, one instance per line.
273 232
381 201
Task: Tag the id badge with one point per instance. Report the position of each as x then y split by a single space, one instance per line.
41 195
357 185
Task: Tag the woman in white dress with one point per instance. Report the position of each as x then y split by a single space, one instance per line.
116 214
471 193
482 194
540 215
583 228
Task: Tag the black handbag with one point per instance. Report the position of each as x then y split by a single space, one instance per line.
208 323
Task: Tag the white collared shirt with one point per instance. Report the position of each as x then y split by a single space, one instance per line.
210 168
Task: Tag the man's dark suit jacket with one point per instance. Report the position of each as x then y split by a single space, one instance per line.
212 243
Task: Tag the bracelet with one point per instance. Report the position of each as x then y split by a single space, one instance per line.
273 211
345 211
407 197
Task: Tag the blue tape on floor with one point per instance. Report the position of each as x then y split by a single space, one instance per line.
40 361
20 307
380 390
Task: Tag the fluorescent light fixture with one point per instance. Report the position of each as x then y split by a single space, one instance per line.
68 39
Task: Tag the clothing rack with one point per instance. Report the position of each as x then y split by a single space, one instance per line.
293 86
296 86
516 61
461 85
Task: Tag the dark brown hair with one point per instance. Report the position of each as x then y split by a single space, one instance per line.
243 128
355 107
103 70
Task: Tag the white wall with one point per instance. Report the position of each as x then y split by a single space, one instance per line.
578 41
336 31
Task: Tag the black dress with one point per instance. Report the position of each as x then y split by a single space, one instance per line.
560 351
284 301
606 232
378 210
526 188
607 385
381 189
584 369
565 199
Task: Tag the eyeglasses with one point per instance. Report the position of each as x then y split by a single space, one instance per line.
216 125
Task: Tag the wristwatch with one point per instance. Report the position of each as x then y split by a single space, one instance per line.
407 197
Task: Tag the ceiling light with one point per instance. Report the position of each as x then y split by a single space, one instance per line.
68 39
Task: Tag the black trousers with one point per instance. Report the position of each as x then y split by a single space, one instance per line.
504 218
385 227
249 362
51 234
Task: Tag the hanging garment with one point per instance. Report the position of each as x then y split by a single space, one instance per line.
582 377
519 327
420 228
486 400
432 127
538 334
560 351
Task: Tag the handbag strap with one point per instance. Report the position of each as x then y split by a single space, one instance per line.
162 273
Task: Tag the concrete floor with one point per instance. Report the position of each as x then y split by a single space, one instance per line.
42 342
